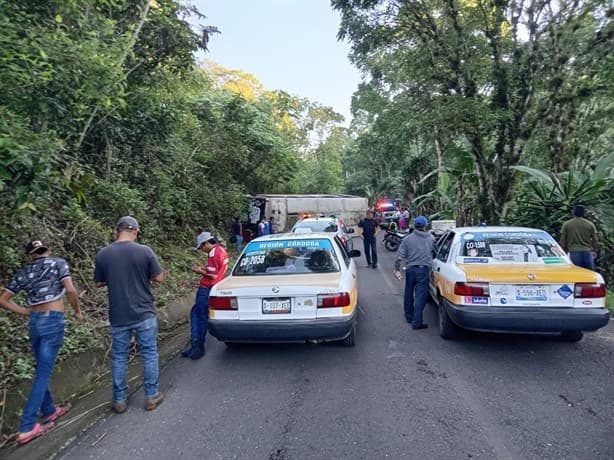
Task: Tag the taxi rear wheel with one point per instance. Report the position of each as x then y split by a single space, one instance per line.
571 336
350 340
447 329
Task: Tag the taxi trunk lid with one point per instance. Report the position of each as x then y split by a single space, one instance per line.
284 297
529 284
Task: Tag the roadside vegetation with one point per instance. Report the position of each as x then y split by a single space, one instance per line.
485 111
471 111
610 301
103 113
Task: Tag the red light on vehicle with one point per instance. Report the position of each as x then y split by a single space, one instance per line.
472 289
341 299
223 303
589 290
343 240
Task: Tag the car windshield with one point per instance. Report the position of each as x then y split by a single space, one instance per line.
287 257
510 247
317 226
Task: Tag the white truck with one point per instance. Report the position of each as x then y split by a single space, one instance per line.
286 210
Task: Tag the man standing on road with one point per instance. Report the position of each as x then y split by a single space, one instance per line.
417 248
212 273
579 238
237 233
127 269
369 232
45 280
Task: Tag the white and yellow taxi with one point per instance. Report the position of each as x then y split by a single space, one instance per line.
513 279
286 288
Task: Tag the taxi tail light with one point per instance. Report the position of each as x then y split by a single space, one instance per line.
472 289
341 299
223 303
589 290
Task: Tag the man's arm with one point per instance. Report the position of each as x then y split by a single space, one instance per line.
154 267
564 238
595 241
73 298
6 302
401 255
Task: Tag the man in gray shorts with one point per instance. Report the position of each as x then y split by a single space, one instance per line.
127 268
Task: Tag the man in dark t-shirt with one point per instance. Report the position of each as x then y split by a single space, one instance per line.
369 230
127 269
579 238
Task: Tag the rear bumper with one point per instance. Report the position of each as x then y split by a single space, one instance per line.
281 330
526 319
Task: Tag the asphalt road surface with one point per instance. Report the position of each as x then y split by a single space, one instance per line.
399 394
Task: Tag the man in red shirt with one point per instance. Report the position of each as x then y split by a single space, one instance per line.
212 273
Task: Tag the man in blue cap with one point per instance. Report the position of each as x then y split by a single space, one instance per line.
417 248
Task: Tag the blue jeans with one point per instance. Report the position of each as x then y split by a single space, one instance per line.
416 293
582 259
46 330
199 315
146 333
370 250
239 242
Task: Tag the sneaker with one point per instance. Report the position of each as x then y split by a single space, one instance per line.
187 351
422 326
59 412
36 432
154 402
198 351
374 265
119 407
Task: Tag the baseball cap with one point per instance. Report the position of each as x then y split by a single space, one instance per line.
202 238
421 221
36 246
127 223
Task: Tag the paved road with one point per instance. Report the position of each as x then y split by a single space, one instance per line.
399 394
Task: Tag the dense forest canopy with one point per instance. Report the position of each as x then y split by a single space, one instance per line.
104 112
461 92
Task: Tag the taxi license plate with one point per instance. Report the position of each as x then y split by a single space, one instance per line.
276 306
531 293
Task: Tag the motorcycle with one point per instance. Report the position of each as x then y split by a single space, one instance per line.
393 238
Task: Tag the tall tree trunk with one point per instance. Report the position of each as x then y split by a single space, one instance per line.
122 59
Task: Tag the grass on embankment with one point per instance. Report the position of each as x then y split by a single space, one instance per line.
609 301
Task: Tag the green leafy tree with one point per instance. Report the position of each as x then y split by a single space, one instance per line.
497 76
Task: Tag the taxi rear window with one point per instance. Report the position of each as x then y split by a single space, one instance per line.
287 257
318 226
510 247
